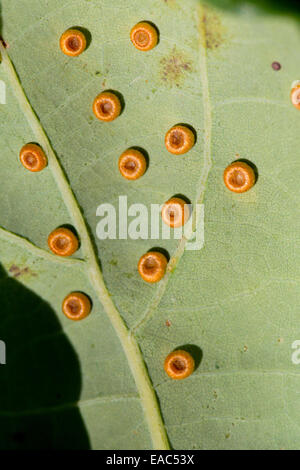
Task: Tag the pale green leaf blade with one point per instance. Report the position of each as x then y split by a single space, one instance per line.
236 299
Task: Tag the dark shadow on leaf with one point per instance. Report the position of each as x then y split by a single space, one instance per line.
251 164
41 381
86 33
191 128
144 152
161 250
184 198
155 27
120 96
194 351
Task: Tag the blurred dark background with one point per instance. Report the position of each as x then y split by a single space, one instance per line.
279 6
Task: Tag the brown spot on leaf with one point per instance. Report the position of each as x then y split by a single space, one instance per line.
214 33
174 67
276 66
168 323
16 271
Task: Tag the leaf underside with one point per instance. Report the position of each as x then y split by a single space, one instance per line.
235 300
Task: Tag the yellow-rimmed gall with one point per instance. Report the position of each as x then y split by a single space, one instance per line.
239 177
175 212
152 266
179 140
295 96
144 36
63 242
107 106
132 164
76 306
33 157
179 365
73 42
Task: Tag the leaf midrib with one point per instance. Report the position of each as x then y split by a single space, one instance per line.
128 341
127 338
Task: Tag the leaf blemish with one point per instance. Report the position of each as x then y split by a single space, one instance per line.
174 68
276 66
214 32
16 271
113 262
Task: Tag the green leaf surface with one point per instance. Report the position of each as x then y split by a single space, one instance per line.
85 384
